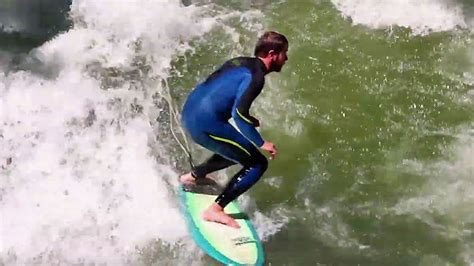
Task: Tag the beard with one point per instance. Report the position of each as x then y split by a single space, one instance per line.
275 66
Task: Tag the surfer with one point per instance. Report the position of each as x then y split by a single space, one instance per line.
229 93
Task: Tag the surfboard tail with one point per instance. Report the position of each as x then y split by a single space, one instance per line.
225 244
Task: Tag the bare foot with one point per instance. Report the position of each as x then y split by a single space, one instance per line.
188 179
216 214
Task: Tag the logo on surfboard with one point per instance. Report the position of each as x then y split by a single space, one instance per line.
243 240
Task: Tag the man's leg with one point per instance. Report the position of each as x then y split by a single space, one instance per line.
229 143
214 163
239 183
253 169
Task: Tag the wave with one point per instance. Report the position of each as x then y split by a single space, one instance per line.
422 17
84 179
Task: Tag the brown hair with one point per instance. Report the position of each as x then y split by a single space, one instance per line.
270 40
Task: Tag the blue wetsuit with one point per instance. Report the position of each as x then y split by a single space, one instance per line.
228 92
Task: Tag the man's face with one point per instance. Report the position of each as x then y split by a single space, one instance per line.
278 60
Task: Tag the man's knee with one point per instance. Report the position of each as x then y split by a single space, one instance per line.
259 161
263 162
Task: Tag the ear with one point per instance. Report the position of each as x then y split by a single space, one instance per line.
272 53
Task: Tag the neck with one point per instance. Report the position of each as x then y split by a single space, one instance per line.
266 61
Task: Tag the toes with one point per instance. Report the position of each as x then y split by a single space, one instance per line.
234 224
187 179
221 218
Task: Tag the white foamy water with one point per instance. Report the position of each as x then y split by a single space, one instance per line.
446 201
79 183
421 16
80 180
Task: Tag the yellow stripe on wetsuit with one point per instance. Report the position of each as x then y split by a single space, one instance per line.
230 142
243 117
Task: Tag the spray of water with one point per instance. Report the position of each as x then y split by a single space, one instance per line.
422 17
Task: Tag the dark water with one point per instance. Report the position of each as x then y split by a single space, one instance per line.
367 122
26 24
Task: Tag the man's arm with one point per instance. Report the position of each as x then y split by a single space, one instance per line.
248 90
255 121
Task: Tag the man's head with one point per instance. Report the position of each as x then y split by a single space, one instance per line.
271 48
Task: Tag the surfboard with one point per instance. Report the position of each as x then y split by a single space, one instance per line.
230 246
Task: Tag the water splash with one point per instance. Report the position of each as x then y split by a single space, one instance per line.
422 17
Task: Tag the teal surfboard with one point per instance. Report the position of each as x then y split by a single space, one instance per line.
225 244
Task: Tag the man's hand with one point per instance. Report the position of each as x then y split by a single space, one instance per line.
270 148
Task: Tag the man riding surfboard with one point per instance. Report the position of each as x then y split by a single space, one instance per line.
228 93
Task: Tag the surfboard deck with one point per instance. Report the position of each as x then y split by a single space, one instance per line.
225 244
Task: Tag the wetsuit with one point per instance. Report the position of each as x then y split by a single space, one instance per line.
228 92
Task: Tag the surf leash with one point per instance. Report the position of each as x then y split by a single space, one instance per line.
175 120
